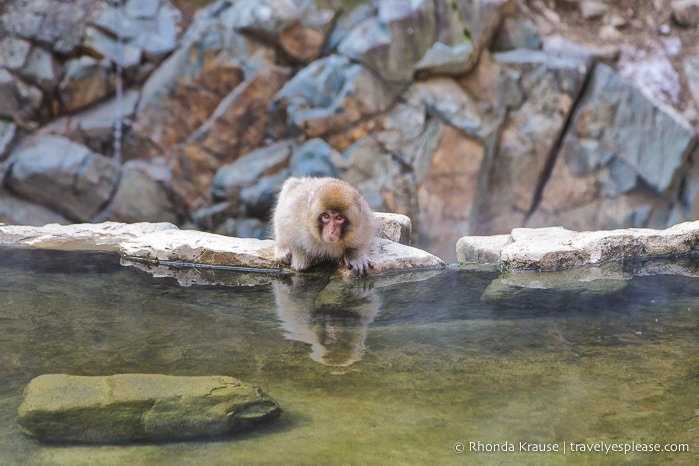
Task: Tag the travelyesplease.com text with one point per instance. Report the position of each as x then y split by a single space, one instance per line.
569 447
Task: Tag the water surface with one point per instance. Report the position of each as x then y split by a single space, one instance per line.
400 369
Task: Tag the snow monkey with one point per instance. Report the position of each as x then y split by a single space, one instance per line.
322 219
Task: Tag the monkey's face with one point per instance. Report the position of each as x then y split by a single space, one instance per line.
332 225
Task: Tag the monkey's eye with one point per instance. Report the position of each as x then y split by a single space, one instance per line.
339 218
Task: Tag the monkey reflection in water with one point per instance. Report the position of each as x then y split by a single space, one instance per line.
332 315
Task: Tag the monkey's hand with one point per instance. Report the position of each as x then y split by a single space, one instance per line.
360 264
282 254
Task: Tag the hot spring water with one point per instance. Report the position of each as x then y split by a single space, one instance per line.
453 366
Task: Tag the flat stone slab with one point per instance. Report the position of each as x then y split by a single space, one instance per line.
81 236
555 248
199 248
126 407
165 243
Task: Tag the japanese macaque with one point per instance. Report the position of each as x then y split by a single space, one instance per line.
322 219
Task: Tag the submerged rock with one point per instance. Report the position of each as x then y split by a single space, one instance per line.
127 407
578 284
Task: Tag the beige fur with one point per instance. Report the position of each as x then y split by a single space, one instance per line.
297 233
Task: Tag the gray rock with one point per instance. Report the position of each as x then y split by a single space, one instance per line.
304 41
549 86
266 18
347 21
105 45
257 200
212 216
142 9
691 71
689 205
243 228
482 18
481 249
10 103
686 12
181 95
63 32
116 21
159 36
555 248
314 158
147 28
395 227
7 136
19 99
41 69
444 98
238 124
20 212
83 236
442 59
448 175
139 198
201 248
388 255
85 81
380 174
297 28
642 130
62 175
329 95
128 407
559 46
650 69
393 41
94 127
592 9
14 52
232 178
16 20
517 33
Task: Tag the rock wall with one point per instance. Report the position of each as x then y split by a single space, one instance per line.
469 116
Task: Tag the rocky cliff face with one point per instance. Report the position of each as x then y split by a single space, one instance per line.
469 116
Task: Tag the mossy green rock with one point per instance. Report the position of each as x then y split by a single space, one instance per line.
126 407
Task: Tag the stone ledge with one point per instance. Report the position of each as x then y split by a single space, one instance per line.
80 236
199 248
164 242
555 248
